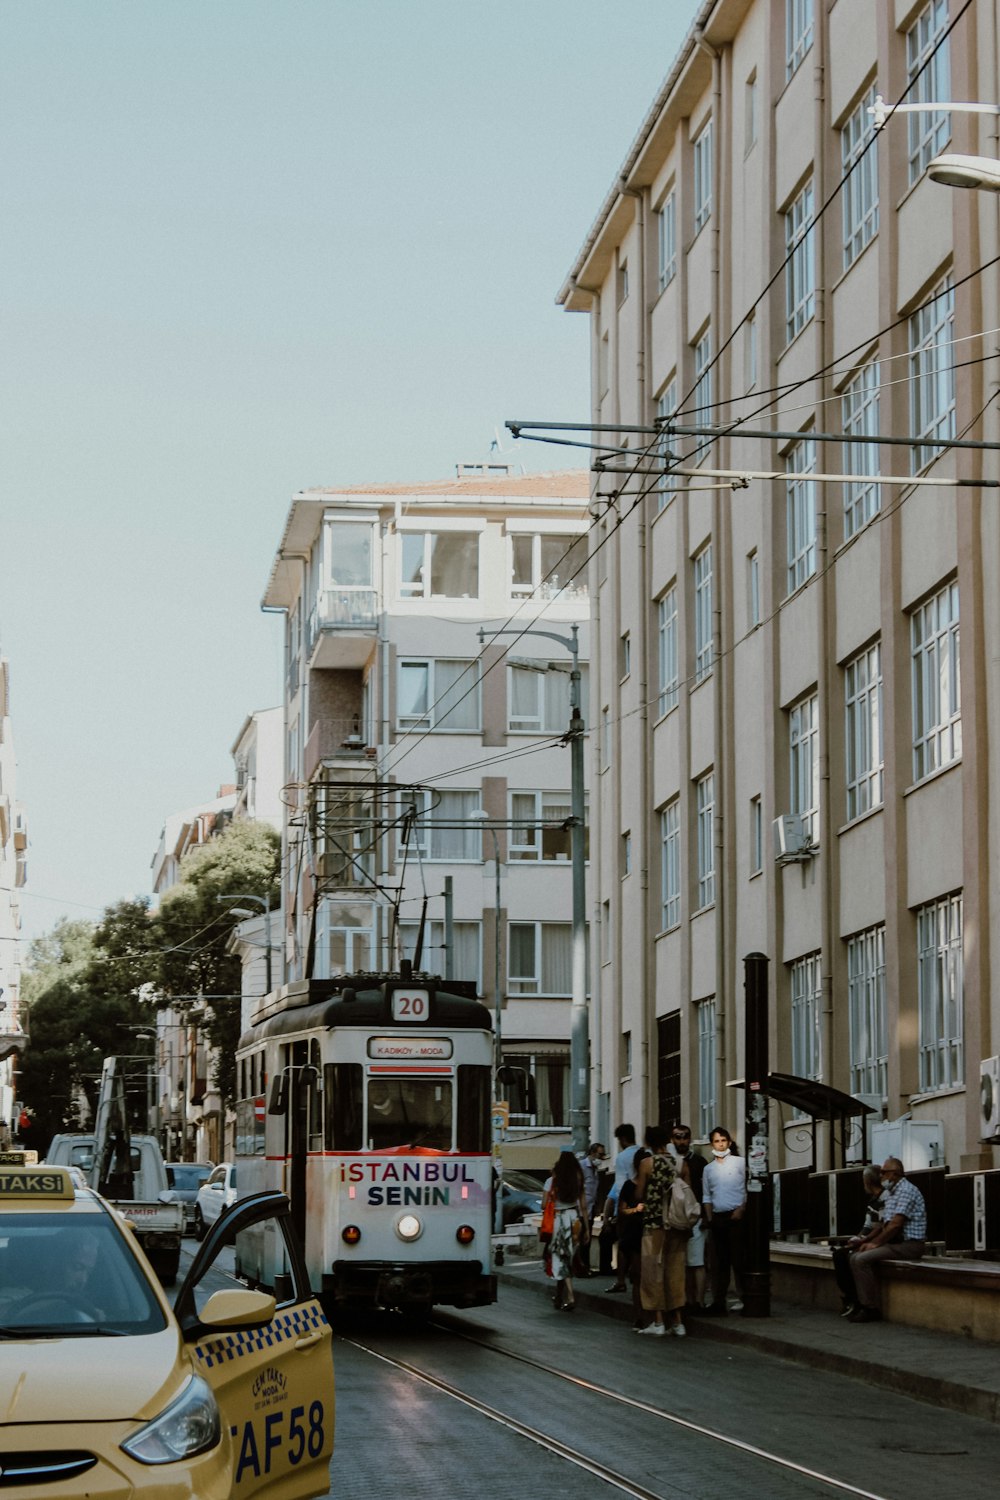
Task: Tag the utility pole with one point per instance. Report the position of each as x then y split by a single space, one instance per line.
579 1047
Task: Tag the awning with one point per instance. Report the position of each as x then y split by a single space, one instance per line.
816 1099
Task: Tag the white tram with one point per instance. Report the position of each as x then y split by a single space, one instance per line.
366 1099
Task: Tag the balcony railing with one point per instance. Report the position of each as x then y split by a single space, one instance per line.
343 609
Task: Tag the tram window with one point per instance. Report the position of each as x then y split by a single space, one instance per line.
409 1112
474 1095
342 1084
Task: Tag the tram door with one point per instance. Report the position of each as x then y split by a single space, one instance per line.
300 1081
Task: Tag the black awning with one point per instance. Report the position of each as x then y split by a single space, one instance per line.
818 1100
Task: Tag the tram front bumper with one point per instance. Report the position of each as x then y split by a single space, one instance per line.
460 1283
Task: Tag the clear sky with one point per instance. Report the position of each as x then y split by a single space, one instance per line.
248 248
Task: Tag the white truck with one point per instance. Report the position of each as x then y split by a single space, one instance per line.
128 1170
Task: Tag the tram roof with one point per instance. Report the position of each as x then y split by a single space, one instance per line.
365 1001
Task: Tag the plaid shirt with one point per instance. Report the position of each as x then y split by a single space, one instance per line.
907 1200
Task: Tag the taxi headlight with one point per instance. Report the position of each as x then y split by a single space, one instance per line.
189 1425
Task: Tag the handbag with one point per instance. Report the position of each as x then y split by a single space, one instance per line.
548 1224
681 1209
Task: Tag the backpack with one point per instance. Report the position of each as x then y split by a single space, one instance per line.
681 1209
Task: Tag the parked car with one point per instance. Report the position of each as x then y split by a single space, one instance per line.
521 1194
184 1178
217 1192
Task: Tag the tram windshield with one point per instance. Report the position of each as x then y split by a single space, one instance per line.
409 1112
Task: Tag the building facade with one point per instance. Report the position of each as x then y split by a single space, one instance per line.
794 656
427 781
13 875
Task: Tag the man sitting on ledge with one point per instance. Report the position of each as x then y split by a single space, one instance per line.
899 1236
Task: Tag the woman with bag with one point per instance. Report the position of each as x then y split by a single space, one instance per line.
663 1248
564 1191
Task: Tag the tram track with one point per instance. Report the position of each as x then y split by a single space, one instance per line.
582 1461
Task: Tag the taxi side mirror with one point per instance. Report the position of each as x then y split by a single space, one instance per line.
237 1308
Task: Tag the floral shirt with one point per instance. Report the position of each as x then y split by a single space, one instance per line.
663 1173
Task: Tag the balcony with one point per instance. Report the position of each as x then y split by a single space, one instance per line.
341 629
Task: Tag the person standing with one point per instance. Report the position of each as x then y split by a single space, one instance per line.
680 1147
901 1235
624 1169
630 1217
724 1198
565 1187
663 1250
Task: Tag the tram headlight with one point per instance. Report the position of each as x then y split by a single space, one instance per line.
350 1234
465 1234
409 1227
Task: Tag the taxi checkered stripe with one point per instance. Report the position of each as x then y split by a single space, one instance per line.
288 1325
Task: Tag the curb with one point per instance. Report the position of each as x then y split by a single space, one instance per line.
759 1335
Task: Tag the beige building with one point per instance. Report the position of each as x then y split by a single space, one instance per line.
422 761
796 677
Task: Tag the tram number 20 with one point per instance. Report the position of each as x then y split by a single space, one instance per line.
410 1005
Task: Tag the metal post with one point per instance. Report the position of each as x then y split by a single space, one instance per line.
757 1243
579 1047
449 928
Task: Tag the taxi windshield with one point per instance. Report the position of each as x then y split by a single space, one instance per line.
409 1112
71 1275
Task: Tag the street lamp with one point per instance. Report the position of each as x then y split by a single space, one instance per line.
481 816
950 169
265 903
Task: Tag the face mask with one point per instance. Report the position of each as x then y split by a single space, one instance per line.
887 1182
720 1153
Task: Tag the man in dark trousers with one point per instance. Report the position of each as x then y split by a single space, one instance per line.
901 1235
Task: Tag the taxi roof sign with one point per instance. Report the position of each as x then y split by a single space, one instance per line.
23 1184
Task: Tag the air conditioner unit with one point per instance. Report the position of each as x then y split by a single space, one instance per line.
989 1099
790 838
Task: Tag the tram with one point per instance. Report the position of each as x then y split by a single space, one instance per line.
366 1100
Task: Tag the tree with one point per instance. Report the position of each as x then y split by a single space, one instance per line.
194 926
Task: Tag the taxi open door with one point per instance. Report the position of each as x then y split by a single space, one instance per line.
273 1373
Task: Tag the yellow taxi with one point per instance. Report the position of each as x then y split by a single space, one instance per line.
107 1392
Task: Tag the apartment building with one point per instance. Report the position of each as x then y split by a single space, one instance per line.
13 875
427 780
796 675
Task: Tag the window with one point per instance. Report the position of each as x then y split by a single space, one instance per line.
626 858
622 282
702 394
800 272
293 648
753 589
705 1011
670 866
807 1009
539 833
801 508
345 938
803 746
706 840
863 725
625 1055
538 696
702 149
439 564
540 958
666 405
438 694
932 374
666 226
859 413
666 637
937 698
940 994
925 43
466 942
548 567
860 163
866 998
798 33
443 827
604 365
756 836
750 107
548 1073
703 614
625 655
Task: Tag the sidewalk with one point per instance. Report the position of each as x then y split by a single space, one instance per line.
945 1369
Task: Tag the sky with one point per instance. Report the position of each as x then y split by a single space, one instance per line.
249 248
